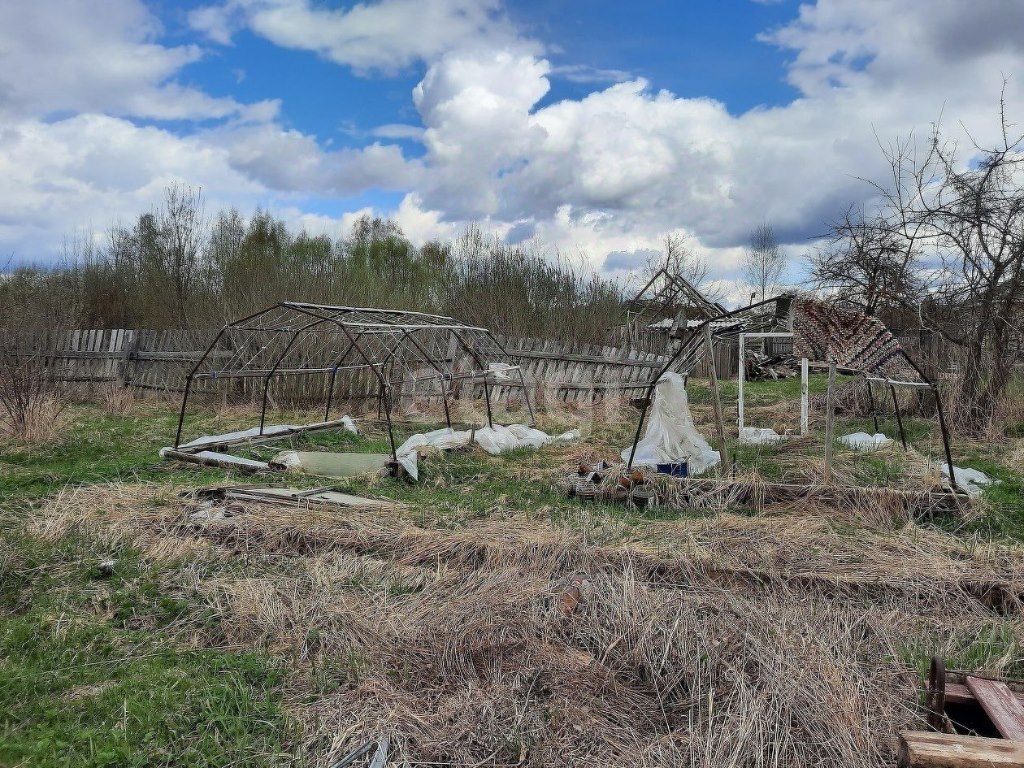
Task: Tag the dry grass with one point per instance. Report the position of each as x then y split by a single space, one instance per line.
38 421
118 400
713 641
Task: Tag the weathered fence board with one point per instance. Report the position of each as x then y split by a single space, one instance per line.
160 361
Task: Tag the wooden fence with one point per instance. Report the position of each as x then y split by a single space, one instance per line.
160 361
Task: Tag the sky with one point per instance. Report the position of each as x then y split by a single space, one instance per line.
592 127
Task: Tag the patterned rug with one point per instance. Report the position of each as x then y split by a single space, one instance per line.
822 333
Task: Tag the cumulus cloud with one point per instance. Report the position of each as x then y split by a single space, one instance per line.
87 171
63 56
606 174
75 156
631 161
385 36
291 161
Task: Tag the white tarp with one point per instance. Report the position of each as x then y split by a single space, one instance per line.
671 435
971 480
758 436
862 441
494 440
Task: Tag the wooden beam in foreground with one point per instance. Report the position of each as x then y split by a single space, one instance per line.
924 749
1002 707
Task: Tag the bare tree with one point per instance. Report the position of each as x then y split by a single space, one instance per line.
182 230
866 263
678 258
967 216
763 261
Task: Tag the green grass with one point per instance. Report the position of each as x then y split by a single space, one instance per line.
91 673
756 393
99 671
92 669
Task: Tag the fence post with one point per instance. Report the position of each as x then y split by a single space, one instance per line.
830 420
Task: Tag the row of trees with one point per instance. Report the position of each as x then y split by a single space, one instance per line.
172 268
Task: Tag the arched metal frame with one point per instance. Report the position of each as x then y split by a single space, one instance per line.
298 338
731 324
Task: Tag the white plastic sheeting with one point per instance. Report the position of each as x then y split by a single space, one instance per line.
671 435
329 464
501 371
971 480
441 439
862 441
494 440
758 436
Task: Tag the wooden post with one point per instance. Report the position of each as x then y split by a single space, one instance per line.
741 374
716 400
804 393
830 420
899 418
871 401
924 749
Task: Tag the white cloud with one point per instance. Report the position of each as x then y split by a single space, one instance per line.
89 171
291 161
387 35
72 157
612 171
66 56
629 161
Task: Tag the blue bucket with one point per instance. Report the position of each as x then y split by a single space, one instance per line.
675 469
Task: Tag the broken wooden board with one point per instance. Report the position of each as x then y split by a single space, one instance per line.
295 497
924 749
1000 704
959 693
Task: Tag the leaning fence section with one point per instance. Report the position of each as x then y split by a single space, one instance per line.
159 361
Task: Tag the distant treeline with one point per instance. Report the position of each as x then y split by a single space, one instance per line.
175 268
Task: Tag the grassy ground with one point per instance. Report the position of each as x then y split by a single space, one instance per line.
144 666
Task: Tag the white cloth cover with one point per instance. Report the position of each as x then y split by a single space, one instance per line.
494 440
862 441
758 436
671 435
971 480
441 439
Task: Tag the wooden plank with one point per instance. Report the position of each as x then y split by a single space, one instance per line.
959 693
999 703
924 749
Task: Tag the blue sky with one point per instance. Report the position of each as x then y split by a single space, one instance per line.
596 127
